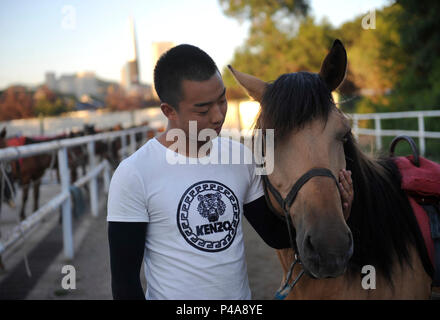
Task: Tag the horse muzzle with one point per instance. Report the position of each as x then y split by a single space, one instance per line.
322 260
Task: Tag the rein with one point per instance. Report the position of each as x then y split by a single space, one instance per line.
285 204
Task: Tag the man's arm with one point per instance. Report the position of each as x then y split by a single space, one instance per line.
269 227
127 243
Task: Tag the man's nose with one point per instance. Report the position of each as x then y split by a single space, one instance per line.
217 115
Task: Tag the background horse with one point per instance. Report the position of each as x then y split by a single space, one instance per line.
26 171
381 230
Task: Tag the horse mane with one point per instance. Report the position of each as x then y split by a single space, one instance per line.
381 221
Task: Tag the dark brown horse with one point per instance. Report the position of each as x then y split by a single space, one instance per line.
381 233
108 150
27 171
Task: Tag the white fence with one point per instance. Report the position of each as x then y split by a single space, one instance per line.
63 199
378 132
75 121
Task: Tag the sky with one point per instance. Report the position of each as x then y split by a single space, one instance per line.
69 36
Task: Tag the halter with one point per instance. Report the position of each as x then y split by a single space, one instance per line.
285 205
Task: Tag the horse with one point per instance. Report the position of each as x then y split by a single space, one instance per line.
106 150
313 141
26 170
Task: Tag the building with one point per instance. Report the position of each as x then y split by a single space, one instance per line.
86 84
50 81
80 84
158 49
66 84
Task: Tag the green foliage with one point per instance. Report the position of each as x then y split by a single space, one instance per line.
397 64
269 51
48 108
254 9
394 67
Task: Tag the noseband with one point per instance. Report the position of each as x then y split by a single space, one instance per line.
285 205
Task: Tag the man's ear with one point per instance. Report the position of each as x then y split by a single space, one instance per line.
334 66
168 111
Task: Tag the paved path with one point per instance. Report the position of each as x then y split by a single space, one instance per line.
91 263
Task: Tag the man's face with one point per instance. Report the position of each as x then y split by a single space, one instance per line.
204 102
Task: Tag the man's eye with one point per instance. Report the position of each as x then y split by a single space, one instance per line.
205 112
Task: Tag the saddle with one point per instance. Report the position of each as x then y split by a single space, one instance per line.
421 183
16 142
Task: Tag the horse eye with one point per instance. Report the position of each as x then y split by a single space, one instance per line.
345 137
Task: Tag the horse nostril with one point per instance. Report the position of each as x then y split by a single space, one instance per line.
308 244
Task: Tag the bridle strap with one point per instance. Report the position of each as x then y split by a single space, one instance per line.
287 203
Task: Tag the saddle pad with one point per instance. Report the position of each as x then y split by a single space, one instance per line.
16 141
423 180
418 183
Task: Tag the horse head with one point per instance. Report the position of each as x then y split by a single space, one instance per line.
310 132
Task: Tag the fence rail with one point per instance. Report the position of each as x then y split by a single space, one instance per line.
63 199
378 132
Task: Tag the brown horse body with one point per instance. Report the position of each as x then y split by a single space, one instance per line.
409 283
380 232
28 171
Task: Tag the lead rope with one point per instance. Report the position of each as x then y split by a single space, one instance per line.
282 292
285 289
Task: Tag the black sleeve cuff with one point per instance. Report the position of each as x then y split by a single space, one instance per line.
269 227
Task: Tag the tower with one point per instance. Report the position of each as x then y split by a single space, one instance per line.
130 77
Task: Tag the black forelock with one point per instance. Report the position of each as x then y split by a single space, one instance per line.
293 100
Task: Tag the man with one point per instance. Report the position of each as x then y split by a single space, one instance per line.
182 216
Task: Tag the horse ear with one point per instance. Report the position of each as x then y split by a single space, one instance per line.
255 87
3 133
334 66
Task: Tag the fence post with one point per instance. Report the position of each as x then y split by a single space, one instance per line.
123 146
93 186
144 136
421 133
378 132
66 207
106 177
41 122
132 143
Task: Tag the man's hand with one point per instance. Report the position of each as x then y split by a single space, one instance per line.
346 189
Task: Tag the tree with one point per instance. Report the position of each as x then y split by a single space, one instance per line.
419 27
16 103
282 38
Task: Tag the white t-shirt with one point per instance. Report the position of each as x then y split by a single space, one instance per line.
194 243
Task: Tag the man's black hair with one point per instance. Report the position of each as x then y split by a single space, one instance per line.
183 62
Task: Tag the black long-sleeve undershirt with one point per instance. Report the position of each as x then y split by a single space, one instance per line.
269 227
127 242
